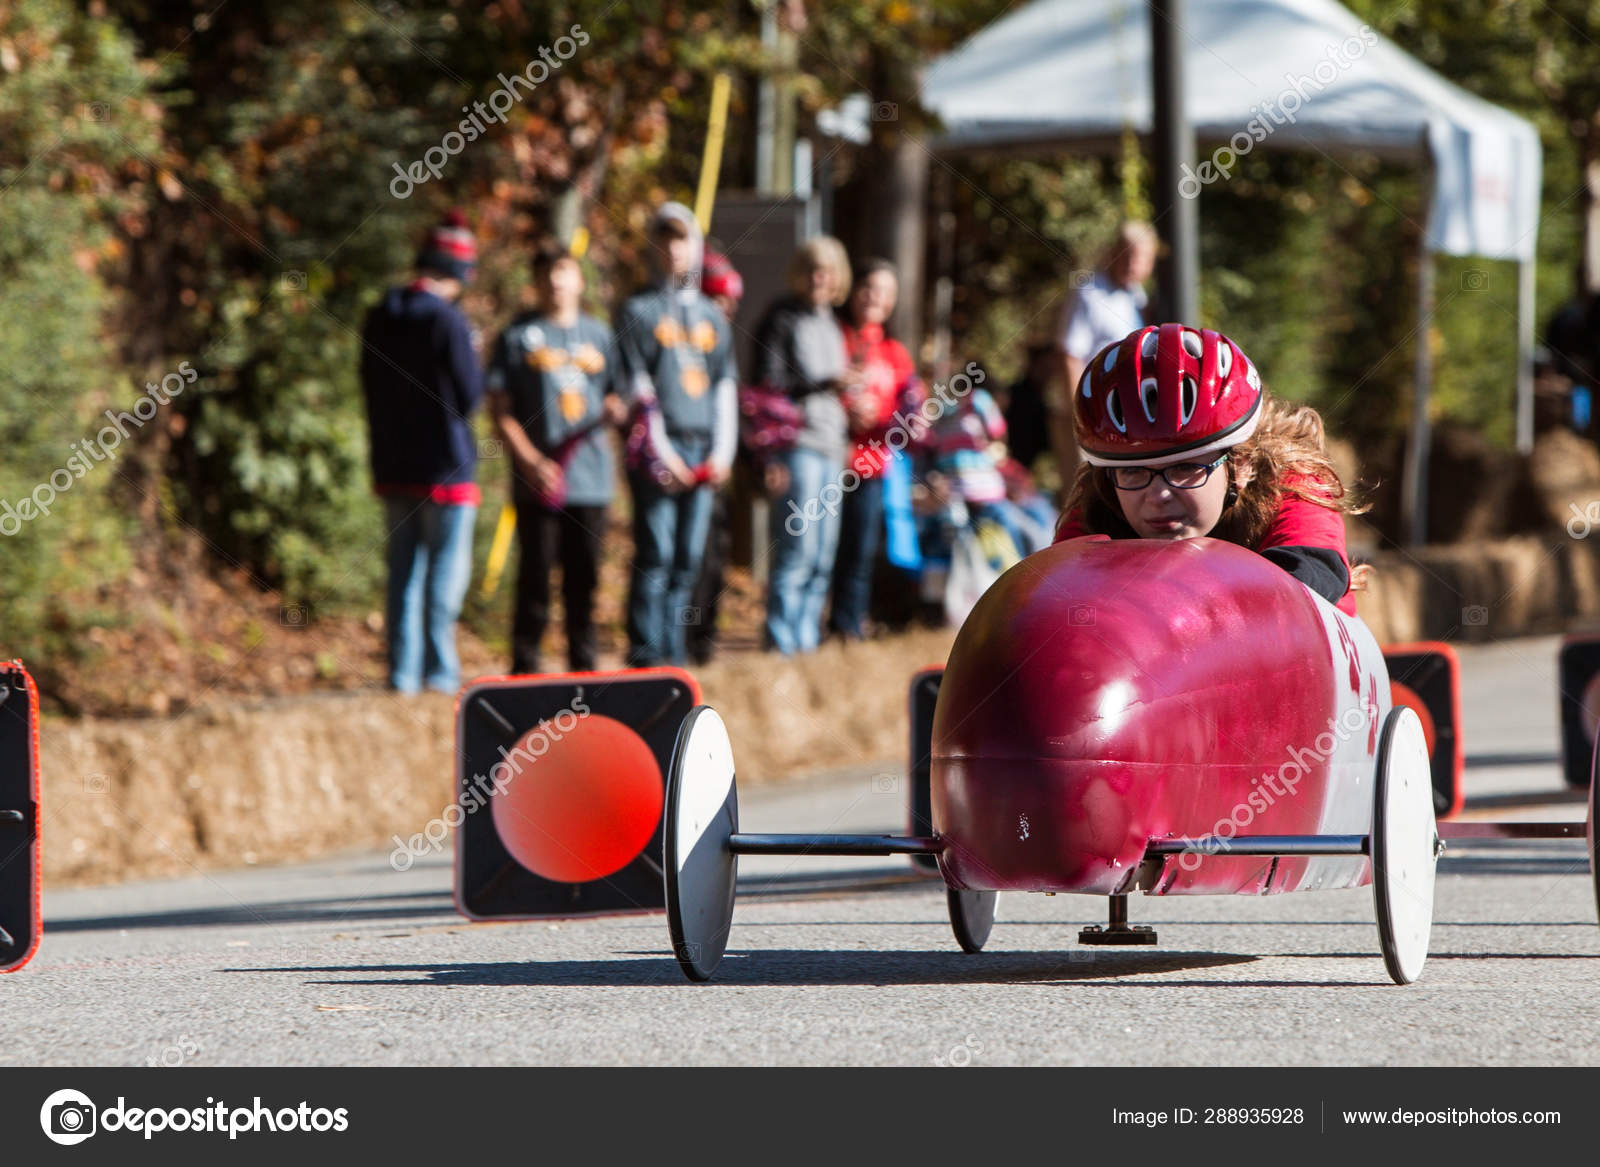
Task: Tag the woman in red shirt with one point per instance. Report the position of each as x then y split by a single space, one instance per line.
888 384
1161 412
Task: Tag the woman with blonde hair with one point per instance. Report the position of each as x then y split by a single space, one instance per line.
800 352
1181 440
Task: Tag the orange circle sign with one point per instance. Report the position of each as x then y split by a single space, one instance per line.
579 801
1403 694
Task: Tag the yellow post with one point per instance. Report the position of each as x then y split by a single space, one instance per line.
499 549
711 161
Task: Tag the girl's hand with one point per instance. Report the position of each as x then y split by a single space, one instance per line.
682 476
549 476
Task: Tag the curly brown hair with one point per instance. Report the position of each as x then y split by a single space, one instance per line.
1287 455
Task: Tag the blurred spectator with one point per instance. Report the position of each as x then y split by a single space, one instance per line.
803 354
720 281
677 359
968 474
1026 407
888 382
1573 339
552 390
1105 310
421 381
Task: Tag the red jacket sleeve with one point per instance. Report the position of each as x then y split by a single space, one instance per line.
1299 523
1069 526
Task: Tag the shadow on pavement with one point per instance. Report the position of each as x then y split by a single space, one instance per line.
791 967
1524 758
337 909
426 905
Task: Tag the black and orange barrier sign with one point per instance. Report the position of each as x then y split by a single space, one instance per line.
19 817
560 782
1427 677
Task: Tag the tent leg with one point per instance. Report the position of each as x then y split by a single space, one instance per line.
1414 481
1525 271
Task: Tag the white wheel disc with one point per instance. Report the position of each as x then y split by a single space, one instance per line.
1404 845
702 813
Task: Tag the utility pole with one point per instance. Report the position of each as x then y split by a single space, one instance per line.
1177 218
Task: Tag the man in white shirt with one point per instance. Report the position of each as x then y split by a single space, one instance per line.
1105 310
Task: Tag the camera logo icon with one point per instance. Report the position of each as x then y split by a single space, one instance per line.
68 1117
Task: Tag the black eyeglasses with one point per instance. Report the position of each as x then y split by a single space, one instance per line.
1181 476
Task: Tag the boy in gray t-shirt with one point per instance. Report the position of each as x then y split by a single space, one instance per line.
552 389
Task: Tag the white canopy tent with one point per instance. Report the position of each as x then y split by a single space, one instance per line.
1261 74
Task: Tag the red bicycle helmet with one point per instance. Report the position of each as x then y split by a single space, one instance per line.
1163 394
718 277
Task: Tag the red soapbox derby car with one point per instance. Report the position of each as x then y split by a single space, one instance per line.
1177 718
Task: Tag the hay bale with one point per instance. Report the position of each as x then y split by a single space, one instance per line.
309 776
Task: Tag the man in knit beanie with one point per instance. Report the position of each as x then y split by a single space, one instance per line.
676 355
421 379
721 282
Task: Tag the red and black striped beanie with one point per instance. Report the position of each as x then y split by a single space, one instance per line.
450 248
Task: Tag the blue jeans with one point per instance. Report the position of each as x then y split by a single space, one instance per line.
430 564
805 538
669 540
860 532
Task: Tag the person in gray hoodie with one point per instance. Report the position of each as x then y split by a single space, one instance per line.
677 363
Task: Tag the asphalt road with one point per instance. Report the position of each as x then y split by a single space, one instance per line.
843 961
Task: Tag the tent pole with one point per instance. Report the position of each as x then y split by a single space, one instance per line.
944 277
1525 272
1414 480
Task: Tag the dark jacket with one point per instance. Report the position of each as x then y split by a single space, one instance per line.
421 381
801 350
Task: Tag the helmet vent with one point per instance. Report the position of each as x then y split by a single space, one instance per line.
1224 359
1147 345
1148 398
1111 356
1189 394
1192 345
1114 409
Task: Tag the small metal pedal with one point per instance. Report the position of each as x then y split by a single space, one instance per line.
1117 930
